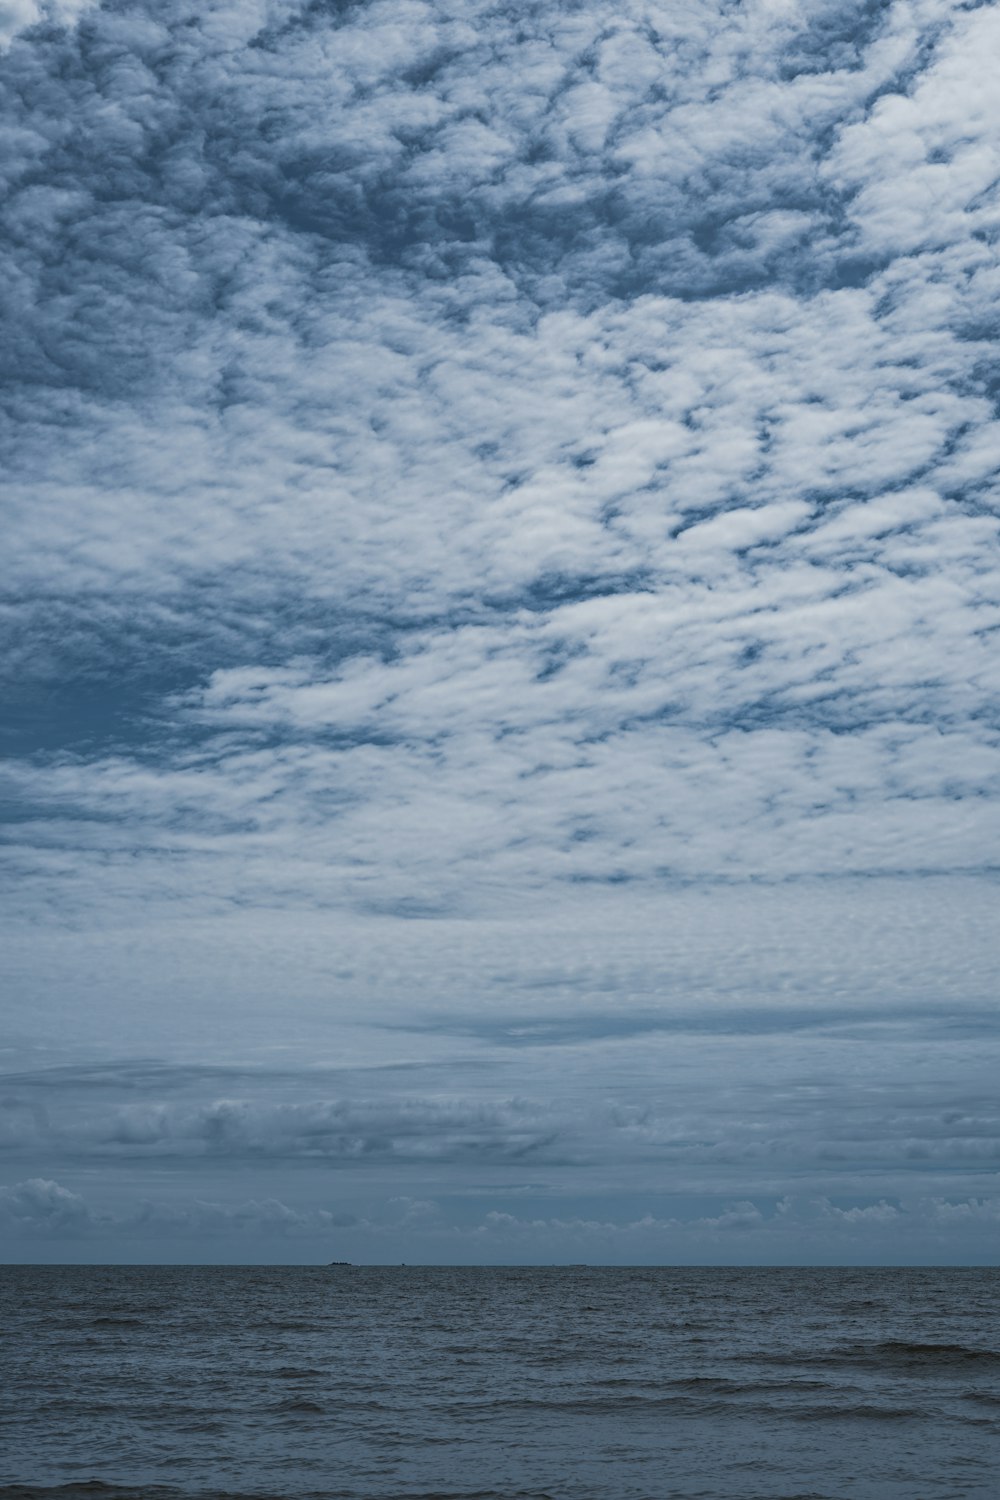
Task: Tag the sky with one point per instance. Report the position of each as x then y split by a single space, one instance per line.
500 607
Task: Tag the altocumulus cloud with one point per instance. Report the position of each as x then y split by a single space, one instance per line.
502 532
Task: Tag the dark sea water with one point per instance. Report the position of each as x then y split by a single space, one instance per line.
599 1383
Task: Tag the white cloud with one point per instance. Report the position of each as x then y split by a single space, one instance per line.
18 15
539 480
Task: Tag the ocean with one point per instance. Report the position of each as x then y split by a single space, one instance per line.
576 1383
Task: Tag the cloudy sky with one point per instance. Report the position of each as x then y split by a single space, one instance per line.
501 750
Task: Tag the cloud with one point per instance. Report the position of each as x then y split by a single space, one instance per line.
985 1210
790 1231
41 1205
843 1107
19 15
503 530
266 1217
356 1130
738 1216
